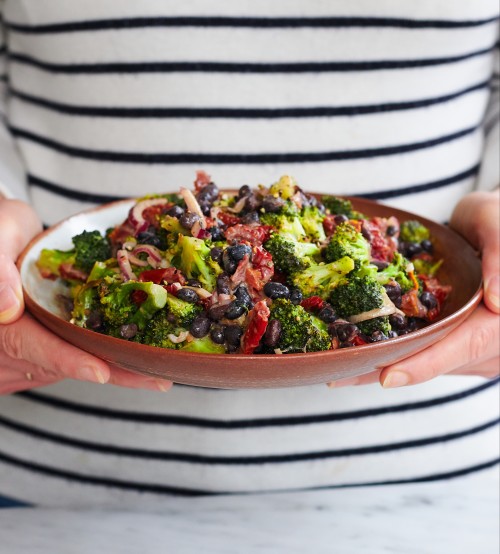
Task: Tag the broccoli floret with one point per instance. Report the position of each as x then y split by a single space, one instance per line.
285 187
119 308
287 220
300 331
85 302
357 295
204 345
90 247
369 326
184 312
337 206
192 257
347 241
289 255
426 267
107 270
413 231
312 221
396 271
321 279
157 331
50 261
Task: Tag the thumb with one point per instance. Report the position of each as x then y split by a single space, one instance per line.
477 218
18 224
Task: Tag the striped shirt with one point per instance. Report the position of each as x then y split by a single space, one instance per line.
110 99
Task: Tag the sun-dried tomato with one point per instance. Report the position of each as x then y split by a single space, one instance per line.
254 234
258 317
228 219
312 304
168 275
202 180
329 224
152 213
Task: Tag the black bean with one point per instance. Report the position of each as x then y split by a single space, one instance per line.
245 190
200 327
175 211
345 332
394 293
216 254
392 334
380 265
397 321
232 348
217 334
391 230
94 321
208 193
234 310
223 284
412 249
232 334
217 311
193 283
188 295
228 263
273 333
217 234
276 290
272 203
428 300
252 203
295 296
239 251
340 218
146 237
327 314
366 233
188 219
427 246
128 331
243 297
171 318
250 217
377 336
205 207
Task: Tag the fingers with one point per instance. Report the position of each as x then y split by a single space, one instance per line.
476 217
18 225
468 349
124 378
28 341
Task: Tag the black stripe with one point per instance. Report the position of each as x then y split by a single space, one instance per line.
396 192
168 456
73 194
206 423
228 67
247 22
415 189
3 78
184 491
189 158
239 113
491 123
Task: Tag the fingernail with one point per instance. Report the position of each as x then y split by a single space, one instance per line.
396 379
92 374
492 291
162 385
350 382
10 303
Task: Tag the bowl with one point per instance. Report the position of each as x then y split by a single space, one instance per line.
461 270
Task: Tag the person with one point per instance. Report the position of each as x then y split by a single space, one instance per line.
118 99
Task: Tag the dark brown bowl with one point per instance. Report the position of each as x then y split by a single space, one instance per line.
461 270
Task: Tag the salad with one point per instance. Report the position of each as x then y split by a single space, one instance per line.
269 270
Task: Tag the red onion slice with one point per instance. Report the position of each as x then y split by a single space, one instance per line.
125 268
135 215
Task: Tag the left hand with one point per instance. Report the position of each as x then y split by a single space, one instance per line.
473 347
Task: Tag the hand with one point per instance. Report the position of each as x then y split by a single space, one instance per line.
473 347
30 355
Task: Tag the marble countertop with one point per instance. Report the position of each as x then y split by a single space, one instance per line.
448 517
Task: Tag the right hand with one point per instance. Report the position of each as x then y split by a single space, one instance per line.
30 355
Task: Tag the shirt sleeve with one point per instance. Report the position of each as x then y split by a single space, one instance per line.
489 174
12 173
